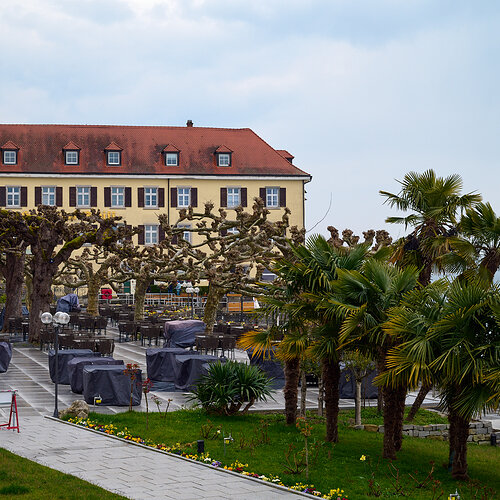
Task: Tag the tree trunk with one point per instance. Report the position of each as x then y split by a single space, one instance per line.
303 393
400 413
141 286
459 432
390 417
357 403
13 272
214 297
41 297
380 389
331 379
422 393
292 371
93 287
321 391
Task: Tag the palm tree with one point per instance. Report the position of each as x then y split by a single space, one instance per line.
434 203
452 339
363 299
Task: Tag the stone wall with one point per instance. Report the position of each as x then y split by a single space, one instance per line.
479 432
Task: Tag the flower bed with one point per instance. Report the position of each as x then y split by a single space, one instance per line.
185 450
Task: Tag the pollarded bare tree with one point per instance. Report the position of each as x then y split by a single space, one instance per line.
53 235
230 253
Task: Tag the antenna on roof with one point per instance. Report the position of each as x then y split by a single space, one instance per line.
189 123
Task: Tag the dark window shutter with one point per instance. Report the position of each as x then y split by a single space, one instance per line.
59 196
223 197
223 232
128 197
262 194
194 197
161 233
24 196
72 196
3 196
173 197
282 197
174 239
141 234
244 200
93 196
107 196
161 197
128 227
140 197
38 196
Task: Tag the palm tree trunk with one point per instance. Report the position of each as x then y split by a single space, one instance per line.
400 399
303 393
331 379
390 418
459 432
321 392
422 393
292 371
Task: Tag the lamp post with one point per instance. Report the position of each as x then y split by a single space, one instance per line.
58 320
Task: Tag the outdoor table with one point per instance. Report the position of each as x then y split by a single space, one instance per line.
160 362
110 385
5 356
267 363
182 333
76 365
189 368
64 357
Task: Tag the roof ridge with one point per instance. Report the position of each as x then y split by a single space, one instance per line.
118 126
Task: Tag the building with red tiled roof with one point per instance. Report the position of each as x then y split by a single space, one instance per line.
138 171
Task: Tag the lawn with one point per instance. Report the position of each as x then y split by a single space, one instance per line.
24 479
263 442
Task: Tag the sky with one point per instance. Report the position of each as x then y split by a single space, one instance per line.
359 91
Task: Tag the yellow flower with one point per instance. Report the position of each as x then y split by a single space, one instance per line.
363 458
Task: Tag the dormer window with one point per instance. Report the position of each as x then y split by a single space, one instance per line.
223 159
9 153
10 157
172 159
114 158
71 157
113 154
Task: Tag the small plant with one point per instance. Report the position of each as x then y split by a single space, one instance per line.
305 429
228 386
209 431
158 402
146 387
131 370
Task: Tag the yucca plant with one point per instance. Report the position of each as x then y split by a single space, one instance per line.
228 386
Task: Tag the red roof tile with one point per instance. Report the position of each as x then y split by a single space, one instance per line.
71 145
223 149
113 147
170 148
141 148
10 145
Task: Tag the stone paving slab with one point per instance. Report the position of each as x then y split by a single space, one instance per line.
129 470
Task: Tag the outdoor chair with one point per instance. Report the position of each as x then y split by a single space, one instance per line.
207 344
228 344
150 332
66 341
86 324
100 324
73 320
46 338
105 346
15 325
126 328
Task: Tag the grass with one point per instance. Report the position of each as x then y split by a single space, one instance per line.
261 441
21 478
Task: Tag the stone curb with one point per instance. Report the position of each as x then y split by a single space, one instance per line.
217 469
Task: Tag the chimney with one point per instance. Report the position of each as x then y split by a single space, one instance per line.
189 123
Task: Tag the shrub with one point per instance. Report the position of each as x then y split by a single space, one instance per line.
228 386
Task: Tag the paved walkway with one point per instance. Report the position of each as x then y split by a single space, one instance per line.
129 470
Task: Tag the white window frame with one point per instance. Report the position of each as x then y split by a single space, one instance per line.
6 154
81 195
233 197
172 159
72 157
272 197
110 156
184 196
150 197
186 235
49 196
12 194
223 159
117 193
151 234
233 230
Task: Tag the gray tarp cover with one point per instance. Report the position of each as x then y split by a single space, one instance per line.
111 384
5 356
188 369
347 385
160 362
66 355
75 369
181 333
268 363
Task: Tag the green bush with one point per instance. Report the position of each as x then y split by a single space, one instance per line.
228 386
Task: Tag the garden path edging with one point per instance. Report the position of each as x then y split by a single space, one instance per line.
218 469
